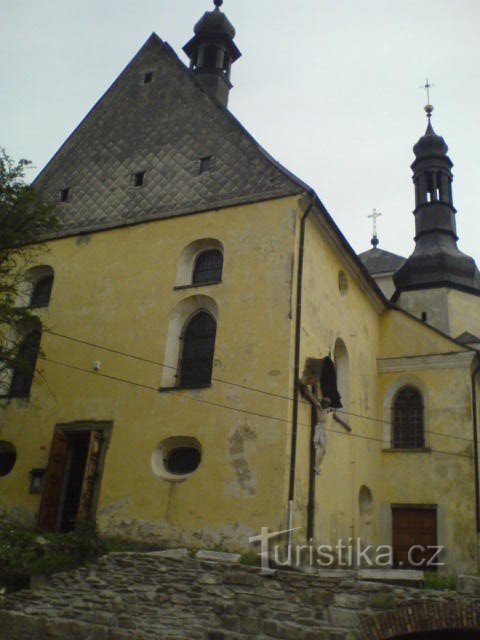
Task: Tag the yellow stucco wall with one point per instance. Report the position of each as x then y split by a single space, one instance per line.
329 315
464 313
442 475
377 339
116 289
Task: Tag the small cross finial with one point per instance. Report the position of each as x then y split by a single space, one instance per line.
218 3
427 86
376 214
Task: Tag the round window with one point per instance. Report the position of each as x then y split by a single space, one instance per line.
176 458
8 456
342 283
182 460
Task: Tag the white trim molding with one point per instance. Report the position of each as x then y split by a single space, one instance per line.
458 360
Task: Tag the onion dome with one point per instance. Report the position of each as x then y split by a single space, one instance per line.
215 23
430 144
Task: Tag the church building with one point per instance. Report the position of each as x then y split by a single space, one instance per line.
190 288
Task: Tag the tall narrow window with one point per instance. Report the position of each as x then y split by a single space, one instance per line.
24 370
41 292
64 194
343 373
208 267
407 420
198 348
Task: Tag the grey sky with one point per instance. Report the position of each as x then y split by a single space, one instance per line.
329 88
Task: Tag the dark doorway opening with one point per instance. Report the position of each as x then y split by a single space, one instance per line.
71 479
75 473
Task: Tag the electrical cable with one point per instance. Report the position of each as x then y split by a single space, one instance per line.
241 386
216 404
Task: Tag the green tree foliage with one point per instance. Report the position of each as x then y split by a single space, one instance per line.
24 221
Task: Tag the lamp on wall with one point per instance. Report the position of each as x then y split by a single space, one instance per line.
36 480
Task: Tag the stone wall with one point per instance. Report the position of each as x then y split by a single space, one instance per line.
168 596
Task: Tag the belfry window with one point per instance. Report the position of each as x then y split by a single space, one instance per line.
210 57
208 267
408 420
198 349
24 369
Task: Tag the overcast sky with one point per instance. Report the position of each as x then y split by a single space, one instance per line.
329 87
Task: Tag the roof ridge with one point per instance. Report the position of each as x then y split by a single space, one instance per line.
288 174
153 37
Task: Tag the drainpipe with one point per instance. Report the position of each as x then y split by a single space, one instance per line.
311 480
296 369
475 459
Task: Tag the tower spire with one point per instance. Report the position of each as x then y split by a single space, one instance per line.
212 52
436 260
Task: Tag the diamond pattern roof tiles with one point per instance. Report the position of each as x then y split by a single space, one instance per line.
163 128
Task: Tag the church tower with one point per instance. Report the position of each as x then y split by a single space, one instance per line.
438 283
212 52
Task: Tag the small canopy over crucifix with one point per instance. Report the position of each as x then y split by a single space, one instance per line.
376 214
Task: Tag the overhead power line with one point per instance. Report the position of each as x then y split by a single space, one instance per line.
223 406
241 386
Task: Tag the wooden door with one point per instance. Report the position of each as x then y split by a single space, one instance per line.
53 484
412 527
91 475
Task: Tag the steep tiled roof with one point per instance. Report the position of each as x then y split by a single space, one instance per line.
163 128
378 261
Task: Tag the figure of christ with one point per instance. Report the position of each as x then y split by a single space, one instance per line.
322 408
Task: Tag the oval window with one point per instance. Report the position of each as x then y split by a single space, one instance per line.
182 460
176 458
8 456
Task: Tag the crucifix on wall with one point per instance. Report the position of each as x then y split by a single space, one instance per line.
318 385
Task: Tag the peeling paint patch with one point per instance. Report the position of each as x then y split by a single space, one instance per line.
240 441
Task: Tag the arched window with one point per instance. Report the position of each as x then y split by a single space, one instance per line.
197 353
24 370
41 292
407 420
340 357
208 267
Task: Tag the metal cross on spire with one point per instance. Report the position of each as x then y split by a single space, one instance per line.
374 216
427 86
